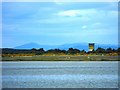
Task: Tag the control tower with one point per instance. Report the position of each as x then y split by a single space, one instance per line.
91 46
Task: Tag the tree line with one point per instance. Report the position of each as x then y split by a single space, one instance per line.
70 51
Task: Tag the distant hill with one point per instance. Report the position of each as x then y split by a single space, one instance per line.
84 46
34 45
80 46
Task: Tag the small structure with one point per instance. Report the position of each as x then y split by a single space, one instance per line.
91 46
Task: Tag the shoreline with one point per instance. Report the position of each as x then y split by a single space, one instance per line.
62 58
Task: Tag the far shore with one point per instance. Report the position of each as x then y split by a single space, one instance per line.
62 58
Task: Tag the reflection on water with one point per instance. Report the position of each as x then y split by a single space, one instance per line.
60 74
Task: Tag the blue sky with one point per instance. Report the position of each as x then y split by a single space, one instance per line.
56 23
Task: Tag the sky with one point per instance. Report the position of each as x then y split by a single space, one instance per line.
57 23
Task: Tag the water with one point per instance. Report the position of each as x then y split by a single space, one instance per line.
60 74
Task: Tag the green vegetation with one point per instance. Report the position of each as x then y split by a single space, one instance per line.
61 58
100 54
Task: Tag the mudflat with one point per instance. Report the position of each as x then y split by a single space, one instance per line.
60 74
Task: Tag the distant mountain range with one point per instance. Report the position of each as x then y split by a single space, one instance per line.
80 46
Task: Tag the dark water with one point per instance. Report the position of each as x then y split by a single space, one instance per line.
60 74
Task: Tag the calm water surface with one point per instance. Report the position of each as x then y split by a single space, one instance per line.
60 74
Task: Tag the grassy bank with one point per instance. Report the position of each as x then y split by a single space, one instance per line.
62 58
